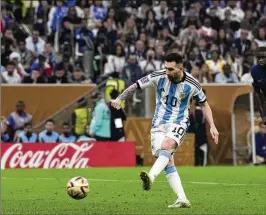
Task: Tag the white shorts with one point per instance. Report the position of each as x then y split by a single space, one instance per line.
159 133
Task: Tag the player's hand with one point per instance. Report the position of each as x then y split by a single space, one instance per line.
214 134
116 103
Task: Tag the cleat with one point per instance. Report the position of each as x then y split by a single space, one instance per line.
180 204
146 180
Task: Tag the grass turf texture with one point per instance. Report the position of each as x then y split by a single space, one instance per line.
211 190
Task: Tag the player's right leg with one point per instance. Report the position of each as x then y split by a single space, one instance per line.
164 153
176 185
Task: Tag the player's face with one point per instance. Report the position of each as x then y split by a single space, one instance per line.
174 71
262 58
49 126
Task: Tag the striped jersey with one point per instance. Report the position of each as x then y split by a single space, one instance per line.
172 99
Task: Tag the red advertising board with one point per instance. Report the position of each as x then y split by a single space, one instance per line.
68 155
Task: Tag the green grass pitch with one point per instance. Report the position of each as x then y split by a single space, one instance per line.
211 190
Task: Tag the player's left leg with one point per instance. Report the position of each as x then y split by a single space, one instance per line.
176 185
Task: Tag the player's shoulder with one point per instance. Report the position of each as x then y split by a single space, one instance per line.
256 70
191 81
158 73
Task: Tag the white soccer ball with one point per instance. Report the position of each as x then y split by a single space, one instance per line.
78 187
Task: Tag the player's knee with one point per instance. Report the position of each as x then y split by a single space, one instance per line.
169 169
169 145
165 153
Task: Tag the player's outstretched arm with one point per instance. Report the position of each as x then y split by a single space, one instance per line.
128 92
206 109
261 101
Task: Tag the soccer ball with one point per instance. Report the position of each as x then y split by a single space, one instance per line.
78 187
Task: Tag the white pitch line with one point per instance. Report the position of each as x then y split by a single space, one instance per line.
130 181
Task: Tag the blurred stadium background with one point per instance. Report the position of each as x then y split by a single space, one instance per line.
59 57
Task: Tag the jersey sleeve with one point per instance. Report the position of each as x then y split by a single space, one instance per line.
150 80
199 95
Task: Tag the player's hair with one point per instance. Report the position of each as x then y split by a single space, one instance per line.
10 63
65 124
173 56
27 124
50 120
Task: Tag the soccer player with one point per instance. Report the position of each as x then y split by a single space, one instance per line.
175 88
258 74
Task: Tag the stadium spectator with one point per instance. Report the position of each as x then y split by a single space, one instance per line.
222 43
242 43
86 136
25 54
116 61
49 135
81 6
117 118
151 24
260 39
78 77
151 64
207 31
189 36
41 64
10 76
34 78
8 45
216 9
227 76
98 11
192 61
236 14
67 136
84 38
18 118
49 54
56 15
114 82
260 139
27 136
35 44
59 76
81 117
172 23
5 137
161 10
131 33
100 123
205 75
215 64
140 51
19 69
71 22
132 71
167 38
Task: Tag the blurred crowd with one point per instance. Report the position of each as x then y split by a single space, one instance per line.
86 41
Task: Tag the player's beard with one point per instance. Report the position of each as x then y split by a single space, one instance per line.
174 78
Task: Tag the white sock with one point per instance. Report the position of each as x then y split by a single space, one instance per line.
175 182
160 164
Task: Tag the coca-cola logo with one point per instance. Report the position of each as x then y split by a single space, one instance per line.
63 155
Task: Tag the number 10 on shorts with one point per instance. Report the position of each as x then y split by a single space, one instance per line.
178 132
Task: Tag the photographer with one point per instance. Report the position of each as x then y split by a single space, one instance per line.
150 65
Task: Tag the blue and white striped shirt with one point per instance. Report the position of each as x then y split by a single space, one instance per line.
172 100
